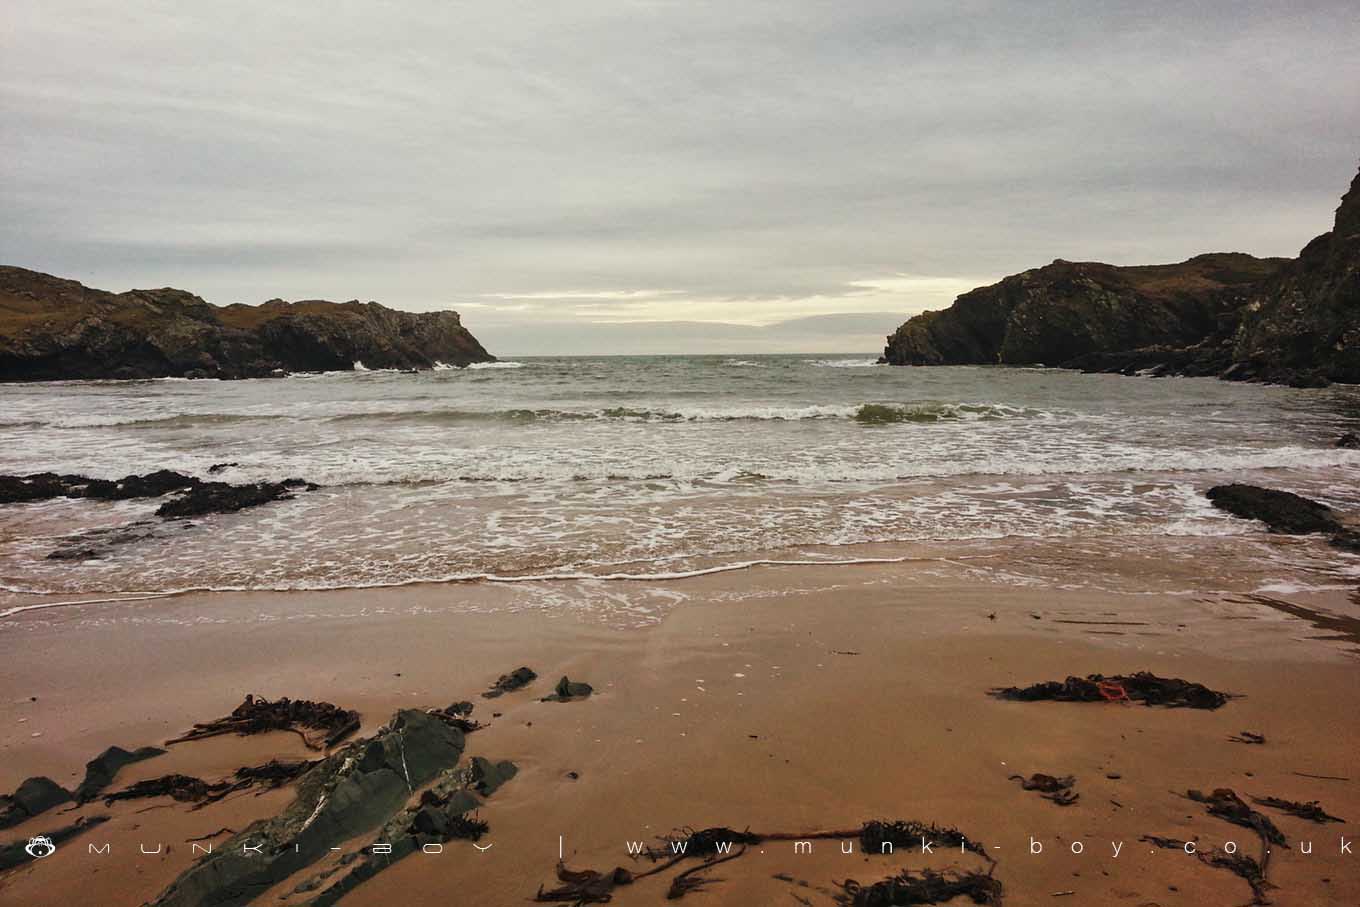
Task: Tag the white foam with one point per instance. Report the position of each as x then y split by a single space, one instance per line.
842 363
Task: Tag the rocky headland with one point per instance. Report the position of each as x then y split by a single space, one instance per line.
1231 315
54 329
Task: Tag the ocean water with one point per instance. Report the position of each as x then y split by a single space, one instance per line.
647 466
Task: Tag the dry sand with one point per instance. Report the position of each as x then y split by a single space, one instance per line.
776 699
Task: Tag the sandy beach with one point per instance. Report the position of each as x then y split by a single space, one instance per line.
744 455
776 700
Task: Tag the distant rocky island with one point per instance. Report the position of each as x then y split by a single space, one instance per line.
1287 321
53 329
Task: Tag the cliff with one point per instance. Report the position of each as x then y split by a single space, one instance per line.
52 329
1229 314
1306 320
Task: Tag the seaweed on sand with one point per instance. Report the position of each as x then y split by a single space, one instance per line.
1226 805
1144 687
1244 867
721 844
1312 810
924 887
1249 737
873 836
584 886
321 725
1249 870
188 789
184 788
1059 790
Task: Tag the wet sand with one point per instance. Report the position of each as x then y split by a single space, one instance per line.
786 699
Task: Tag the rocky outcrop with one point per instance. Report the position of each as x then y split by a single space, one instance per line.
1306 320
1290 321
32 797
1065 311
190 497
1284 512
52 329
354 791
195 497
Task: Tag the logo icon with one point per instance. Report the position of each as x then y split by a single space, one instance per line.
40 846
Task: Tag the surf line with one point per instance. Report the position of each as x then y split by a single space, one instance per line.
498 578
40 606
709 571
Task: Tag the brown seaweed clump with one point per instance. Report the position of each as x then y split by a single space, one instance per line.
882 836
1226 805
721 844
1312 810
1251 871
585 886
924 887
321 725
1050 787
188 789
1144 687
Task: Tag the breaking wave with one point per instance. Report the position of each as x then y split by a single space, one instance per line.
842 363
888 414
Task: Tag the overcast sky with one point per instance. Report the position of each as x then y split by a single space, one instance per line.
601 176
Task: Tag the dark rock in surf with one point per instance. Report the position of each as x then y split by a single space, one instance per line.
221 497
1349 441
1282 511
97 543
195 496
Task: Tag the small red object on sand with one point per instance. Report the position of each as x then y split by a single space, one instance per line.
1113 691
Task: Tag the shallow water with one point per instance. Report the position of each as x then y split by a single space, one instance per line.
650 465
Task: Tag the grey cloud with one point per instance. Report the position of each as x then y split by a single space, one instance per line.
432 153
856 333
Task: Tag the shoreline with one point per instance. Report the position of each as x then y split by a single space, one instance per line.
737 706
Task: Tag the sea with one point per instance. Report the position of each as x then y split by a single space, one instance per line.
657 467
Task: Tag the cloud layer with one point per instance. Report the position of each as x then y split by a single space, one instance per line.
619 164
